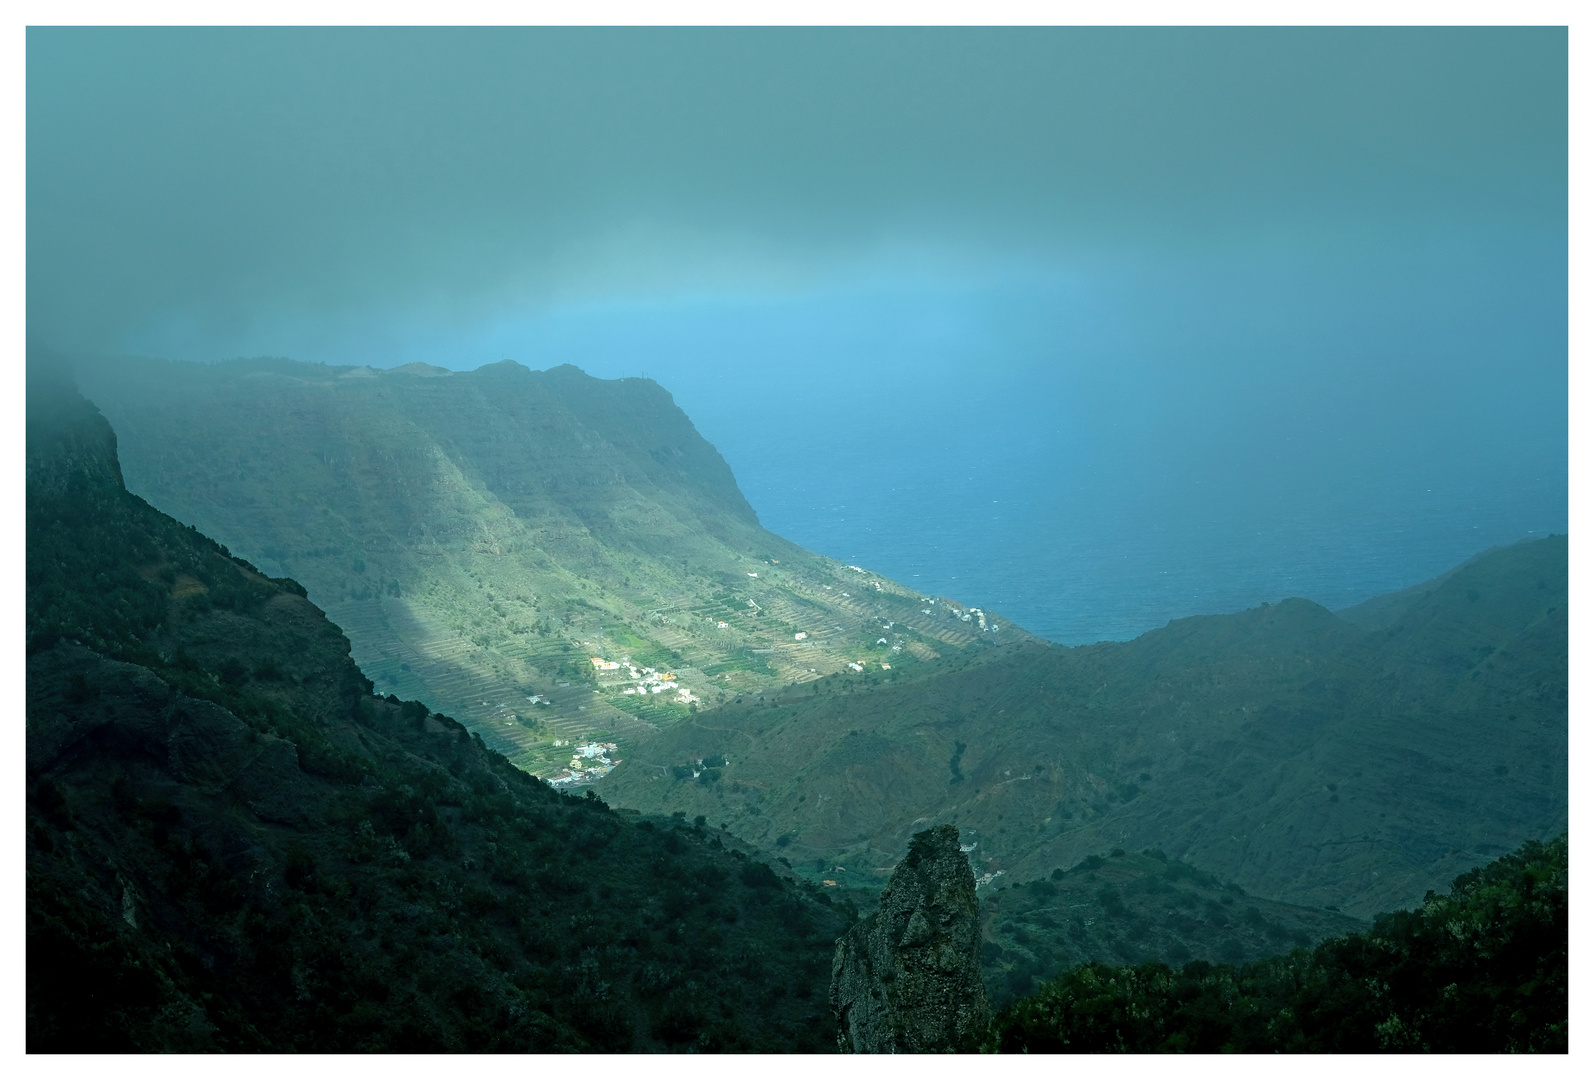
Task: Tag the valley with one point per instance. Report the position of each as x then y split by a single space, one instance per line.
790 540
560 561
482 536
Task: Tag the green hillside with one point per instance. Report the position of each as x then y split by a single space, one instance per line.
1305 758
232 844
481 535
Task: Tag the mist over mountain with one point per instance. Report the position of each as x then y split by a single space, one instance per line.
530 530
1095 326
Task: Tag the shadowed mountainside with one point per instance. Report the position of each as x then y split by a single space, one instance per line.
1124 908
1283 748
232 844
480 535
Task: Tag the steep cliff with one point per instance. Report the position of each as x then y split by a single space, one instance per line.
907 978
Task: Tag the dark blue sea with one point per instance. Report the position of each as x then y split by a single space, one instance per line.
1078 564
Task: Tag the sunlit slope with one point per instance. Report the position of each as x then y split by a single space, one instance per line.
1311 761
480 535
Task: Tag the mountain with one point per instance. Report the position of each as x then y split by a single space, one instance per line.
233 844
480 536
1309 760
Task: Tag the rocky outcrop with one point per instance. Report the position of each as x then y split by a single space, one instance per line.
907 978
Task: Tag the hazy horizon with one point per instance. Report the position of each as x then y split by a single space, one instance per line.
1106 326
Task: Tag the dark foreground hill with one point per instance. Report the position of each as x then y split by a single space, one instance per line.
232 844
1482 969
1309 759
481 535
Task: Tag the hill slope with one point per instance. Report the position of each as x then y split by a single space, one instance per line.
1133 908
480 535
233 845
1283 748
1482 970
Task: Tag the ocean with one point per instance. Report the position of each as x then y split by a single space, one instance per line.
1013 538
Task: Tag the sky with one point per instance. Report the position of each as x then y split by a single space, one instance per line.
1198 284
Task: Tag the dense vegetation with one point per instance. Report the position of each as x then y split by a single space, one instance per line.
1134 909
1480 970
233 845
1306 757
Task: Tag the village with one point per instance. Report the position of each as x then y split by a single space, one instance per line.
594 760
971 615
598 762
650 680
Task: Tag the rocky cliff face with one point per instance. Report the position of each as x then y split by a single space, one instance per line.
907 978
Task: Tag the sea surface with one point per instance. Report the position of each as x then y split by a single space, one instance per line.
1005 535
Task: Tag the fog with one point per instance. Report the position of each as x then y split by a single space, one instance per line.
1098 327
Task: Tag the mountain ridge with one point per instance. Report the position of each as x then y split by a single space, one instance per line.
1384 763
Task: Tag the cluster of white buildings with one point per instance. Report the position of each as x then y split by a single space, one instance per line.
587 764
968 616
973 614
649 680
